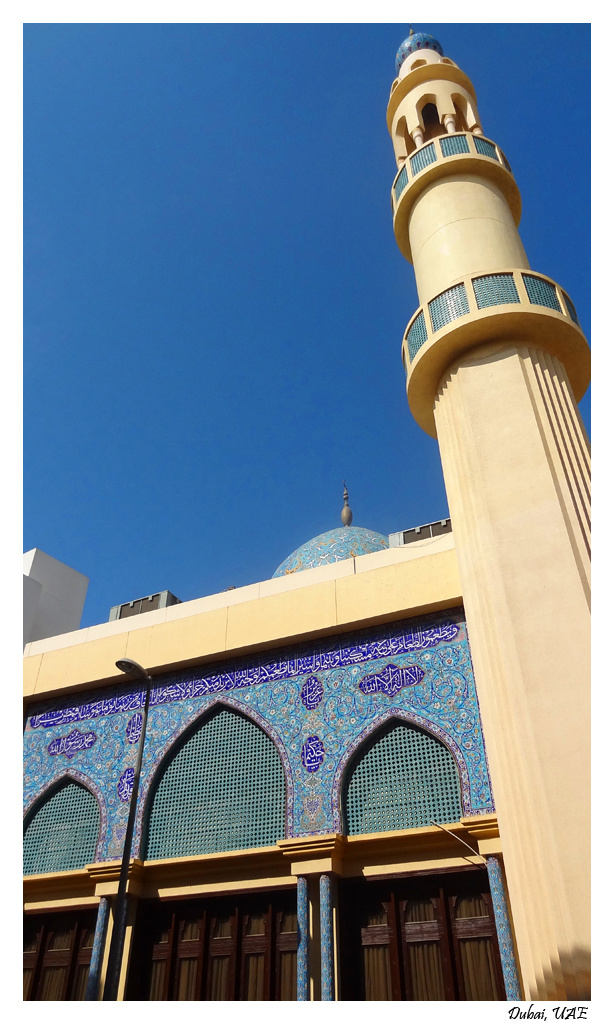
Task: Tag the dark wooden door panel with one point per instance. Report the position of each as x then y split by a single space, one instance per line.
57 954
435 935
238 949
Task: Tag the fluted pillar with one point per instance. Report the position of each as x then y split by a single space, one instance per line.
515 464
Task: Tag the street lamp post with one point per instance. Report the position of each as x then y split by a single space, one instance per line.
111 986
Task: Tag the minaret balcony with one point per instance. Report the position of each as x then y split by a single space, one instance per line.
512 306
446 155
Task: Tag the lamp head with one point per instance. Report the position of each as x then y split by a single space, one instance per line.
127 665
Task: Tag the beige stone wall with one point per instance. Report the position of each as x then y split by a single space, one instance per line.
515 463
379 587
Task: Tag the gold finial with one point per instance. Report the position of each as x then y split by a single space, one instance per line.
346 512
411 31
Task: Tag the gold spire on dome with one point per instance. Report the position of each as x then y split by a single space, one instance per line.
346 512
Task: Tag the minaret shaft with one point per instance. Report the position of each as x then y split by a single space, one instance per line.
461 225
518 504
495 363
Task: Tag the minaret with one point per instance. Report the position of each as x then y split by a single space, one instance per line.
495 362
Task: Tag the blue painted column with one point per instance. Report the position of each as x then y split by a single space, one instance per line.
504 931
93 978
326 940
302 956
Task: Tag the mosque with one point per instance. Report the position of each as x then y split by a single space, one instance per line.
365 778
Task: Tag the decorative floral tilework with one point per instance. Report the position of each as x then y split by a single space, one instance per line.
326 940
302 954
337 690
416 41
332 546
504 931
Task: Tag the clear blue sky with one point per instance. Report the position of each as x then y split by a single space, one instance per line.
214 300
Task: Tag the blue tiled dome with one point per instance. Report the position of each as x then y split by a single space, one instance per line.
334 546
416 41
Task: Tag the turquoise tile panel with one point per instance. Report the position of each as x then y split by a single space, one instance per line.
314 704
401 183
485 148
448 306
495 290
541 292
422 159
416 336
453 144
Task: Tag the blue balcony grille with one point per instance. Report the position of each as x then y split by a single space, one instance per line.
422 159
571 309
495 290
223 789
401 183
448 306
485 148
405 779
62 834
505 161
416 336
541 293
452 144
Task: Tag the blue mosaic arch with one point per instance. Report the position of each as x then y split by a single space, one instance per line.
181 736
149 779
379 724
54 782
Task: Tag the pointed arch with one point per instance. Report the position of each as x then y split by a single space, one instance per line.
402 141
428 111
221 780
364 741
63 825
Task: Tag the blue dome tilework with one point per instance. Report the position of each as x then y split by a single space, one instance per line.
417 41
333 546
318 702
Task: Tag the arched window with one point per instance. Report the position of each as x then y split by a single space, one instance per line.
404 778
431 121
402 141
223 788
61 832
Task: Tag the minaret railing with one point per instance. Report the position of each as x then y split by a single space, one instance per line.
462 144
480 294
